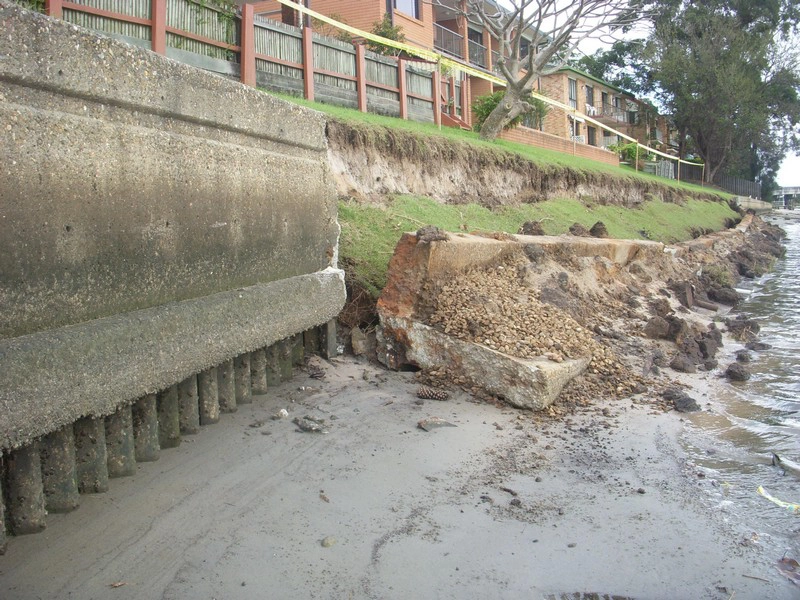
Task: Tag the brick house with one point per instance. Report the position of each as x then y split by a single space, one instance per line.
443 29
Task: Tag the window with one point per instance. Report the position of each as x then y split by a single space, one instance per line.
409 7
591 136
573 93
589 95
473 35
524 48
604 98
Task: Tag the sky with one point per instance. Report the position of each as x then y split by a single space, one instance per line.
789 173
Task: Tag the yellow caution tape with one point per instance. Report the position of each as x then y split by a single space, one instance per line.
449 63
795 508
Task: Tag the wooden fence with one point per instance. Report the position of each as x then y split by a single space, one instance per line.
740 187
275 56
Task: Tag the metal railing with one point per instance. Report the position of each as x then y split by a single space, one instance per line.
615 113
448 41
609 140
477 54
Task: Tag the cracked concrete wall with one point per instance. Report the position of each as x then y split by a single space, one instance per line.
137 190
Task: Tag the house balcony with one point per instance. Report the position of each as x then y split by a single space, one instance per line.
607 113
448 41
477 54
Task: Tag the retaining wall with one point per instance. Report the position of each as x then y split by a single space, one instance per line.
157 221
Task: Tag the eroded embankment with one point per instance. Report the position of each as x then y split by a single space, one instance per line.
640 312
370 161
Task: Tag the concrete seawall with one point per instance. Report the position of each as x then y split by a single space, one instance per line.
157 221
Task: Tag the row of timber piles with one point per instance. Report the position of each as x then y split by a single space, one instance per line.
49 474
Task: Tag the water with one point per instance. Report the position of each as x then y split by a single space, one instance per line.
731 445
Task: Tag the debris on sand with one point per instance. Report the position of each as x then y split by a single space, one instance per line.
433 423
310 424
428 393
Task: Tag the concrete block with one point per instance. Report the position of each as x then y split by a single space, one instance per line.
209 401
285 358
241 377
258 372
311 341
189 405
169 419
59 477
174 235
273 356
3 541
120 446
532 384
298 349
329 345
144 414
226 387
76 379
91 459
24 491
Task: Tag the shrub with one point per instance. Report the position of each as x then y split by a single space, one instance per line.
484 105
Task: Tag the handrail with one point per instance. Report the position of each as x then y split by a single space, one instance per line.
448 40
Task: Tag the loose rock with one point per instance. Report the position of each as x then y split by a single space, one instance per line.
737 372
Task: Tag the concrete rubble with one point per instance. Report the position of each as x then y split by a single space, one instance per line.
525 370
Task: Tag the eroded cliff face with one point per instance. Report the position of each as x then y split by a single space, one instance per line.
369 162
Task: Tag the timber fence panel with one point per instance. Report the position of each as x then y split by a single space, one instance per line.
383 91
691 172
138 10
279 57
740 187
206 21
334 72
419 82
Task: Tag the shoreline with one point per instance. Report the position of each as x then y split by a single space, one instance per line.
601 499
505 504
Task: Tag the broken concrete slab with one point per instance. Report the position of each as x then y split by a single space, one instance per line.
524 383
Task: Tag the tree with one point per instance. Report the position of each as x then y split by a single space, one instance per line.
386 29
554 28
711 67
729 74
623 65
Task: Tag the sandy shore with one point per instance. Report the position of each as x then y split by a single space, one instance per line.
503 505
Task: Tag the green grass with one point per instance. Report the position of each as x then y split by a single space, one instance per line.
370 233
541 156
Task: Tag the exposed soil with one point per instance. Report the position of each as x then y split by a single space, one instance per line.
370 162
640 323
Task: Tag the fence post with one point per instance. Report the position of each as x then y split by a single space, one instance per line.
466 113
158 26
361 77
636 162
436 84
451 105
679 170
54 8
308 63
247 56
401 85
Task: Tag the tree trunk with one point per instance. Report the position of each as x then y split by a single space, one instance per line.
509 108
